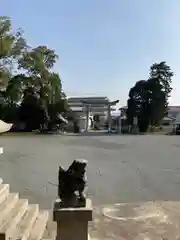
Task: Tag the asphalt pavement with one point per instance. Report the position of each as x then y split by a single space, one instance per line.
121 168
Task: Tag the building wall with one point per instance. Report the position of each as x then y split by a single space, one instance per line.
173 111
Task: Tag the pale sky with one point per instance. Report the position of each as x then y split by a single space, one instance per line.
104 46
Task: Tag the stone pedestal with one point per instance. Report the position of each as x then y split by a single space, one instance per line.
72 223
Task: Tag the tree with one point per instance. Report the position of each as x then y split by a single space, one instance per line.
160 80
148 100
39 89
56 95
138 104
32 112
15 89
38 62
12 46
57 101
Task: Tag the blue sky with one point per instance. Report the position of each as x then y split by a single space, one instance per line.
104 46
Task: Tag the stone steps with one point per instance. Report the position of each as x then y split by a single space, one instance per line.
20 220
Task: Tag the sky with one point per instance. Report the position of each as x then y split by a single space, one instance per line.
104 46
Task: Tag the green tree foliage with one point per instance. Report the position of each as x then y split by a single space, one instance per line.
38 62
160 80
38 89
138 104
11 47
31 107
148 99
15 89
57 102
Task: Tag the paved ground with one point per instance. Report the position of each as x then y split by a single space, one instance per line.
137 221
121 169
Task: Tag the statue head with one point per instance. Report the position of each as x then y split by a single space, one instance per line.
78 167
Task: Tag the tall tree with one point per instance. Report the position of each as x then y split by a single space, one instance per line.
55 91
43 86
138 104
57 99
38 62
12 45
160 79
148 100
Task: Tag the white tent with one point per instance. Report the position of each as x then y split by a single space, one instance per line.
5 127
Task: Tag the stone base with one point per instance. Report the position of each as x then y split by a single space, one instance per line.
72 203
81 214
72 230
72 223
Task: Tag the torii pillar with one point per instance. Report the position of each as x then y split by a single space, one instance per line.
109 118
87 117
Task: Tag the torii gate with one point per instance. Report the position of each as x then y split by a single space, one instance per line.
91 103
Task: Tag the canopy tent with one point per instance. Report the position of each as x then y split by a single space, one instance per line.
5 127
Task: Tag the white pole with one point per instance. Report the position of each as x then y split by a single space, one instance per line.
109 118
87 117
1 150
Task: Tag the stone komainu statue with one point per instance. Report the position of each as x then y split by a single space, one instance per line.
71 184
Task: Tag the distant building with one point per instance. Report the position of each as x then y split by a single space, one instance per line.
98 105
173 111
89 107
167 120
